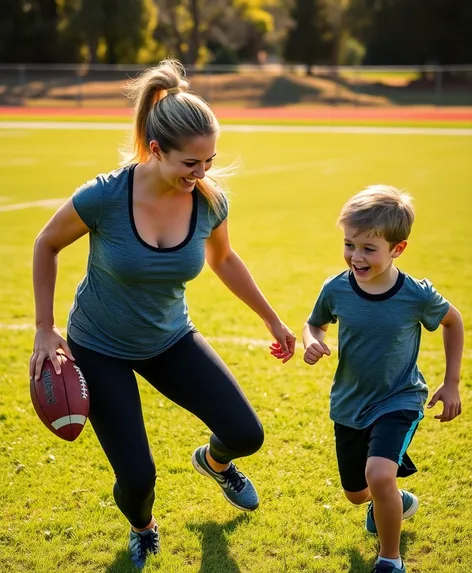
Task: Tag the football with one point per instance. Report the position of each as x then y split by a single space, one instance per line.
61 400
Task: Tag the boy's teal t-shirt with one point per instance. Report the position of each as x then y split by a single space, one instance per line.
131 303
378 344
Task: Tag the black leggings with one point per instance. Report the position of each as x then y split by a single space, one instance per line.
191 374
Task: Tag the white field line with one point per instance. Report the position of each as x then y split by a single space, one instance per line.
238 340
19 162
324 165
82 163
44 203
229 340
234 340
13 134
343 129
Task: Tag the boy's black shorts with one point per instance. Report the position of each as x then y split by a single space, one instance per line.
388 437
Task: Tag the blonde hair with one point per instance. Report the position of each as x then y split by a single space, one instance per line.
166 112
381 209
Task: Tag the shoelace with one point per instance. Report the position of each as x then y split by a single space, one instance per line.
235 478
148 543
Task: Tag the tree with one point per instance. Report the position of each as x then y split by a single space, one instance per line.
187 28
305 42
420 32
30 32
12 32
123 27
345 20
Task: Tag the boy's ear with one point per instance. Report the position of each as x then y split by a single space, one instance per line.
398 249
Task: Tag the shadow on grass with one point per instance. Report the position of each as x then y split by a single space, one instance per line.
215 554
361 565
413 92
121 564
284 91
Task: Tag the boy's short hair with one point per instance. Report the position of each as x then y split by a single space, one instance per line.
381 209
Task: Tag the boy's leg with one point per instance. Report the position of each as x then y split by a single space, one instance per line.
351 453
389 439
381 475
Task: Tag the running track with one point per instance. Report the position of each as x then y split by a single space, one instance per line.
393 114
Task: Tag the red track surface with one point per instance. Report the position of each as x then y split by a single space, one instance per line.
274 113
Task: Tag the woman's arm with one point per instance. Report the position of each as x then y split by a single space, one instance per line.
232 271
62 229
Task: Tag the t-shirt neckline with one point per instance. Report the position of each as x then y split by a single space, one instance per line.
377 297
193 219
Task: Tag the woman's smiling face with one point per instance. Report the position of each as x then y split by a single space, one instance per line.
180 168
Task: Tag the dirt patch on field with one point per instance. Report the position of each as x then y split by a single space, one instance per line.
247 90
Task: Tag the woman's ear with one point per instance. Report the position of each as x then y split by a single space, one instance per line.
155 149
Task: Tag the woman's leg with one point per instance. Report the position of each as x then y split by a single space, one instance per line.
192 375
116 417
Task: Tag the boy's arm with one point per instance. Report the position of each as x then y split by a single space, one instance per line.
448 392
315 348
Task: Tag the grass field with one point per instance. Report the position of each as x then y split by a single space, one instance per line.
57 508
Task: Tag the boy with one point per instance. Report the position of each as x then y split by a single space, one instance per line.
378 392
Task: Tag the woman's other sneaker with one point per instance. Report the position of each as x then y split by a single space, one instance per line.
142 544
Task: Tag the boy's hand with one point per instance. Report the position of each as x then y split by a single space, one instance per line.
450 397
315 351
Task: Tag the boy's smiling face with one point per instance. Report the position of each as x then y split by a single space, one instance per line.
370 257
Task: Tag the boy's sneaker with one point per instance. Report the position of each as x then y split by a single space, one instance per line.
387 567
142 543
236 487
410 507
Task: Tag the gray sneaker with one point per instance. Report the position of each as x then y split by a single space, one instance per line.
236 487
142 543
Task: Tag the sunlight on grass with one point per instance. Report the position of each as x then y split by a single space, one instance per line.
57 506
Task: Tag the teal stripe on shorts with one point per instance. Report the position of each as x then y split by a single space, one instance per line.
409 436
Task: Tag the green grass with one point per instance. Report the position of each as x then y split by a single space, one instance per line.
57 509
381 76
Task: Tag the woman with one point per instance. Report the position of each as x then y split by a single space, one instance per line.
151 224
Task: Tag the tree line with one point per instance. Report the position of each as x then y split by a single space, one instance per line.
310 32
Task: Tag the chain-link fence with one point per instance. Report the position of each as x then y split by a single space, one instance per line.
102 86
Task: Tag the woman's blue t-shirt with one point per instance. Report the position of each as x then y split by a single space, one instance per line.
131 302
